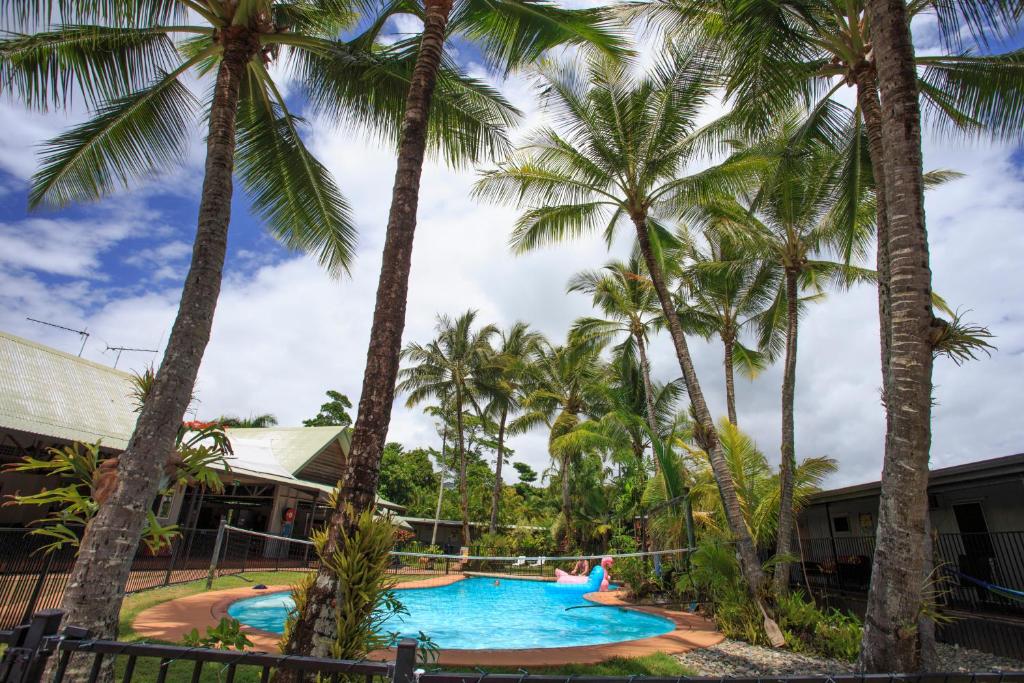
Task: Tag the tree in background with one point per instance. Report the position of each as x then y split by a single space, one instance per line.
332 413
508 373
252 422
407 476
725 294
455 365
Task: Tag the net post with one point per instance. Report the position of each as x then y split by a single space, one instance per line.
405 661
215 558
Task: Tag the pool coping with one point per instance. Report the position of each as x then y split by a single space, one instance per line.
171 620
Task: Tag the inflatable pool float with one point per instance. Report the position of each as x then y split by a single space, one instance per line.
597 580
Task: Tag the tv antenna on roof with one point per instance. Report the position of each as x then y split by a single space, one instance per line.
119 349
82 333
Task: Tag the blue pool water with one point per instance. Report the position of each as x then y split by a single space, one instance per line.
474 614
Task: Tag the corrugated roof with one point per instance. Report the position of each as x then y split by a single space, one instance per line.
51 393
293 446
54 394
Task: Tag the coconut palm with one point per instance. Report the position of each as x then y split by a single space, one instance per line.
729 302
563 390
452 366
128 62
809 49
509 370
788 228
618 155
630 307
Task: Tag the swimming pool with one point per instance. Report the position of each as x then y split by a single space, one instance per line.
474 614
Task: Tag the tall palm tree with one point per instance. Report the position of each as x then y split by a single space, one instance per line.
630 306
128 62
508 373
808 49
789 227
730 302
508 33
563 390
618 156
453 365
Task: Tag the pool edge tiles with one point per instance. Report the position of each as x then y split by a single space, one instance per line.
171 620
488 614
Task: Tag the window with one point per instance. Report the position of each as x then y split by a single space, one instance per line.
841 524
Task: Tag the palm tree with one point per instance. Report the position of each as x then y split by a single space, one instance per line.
253 421
623 143
128 62
756 484
787 229
808 49
728 302
509 33
454 365
563 390
630 307
510 368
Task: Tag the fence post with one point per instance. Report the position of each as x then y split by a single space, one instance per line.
405 661
25 659
221 530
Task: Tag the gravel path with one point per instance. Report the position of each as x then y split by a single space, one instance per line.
735 658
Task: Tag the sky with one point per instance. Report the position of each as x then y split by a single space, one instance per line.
285 332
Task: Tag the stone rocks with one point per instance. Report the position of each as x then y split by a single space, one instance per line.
735 658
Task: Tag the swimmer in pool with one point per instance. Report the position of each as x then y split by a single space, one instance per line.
497 583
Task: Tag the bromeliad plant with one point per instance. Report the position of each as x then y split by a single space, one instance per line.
89 477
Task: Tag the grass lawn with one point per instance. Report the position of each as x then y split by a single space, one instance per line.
181 672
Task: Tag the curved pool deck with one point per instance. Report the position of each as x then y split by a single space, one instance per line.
170 621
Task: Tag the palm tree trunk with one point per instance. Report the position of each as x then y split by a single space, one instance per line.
871 111
314 629
496 494
891 634
440 486
705 434
96 586
730 385
566 498
463 484
787 463
645 370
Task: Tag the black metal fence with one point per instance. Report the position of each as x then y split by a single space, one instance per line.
32 579
32 646
969 567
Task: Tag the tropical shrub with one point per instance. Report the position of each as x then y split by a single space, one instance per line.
365 596
808 628
88 477
226 635
637 575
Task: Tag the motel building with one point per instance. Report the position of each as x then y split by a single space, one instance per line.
279 478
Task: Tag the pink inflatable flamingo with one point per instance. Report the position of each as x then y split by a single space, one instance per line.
598 579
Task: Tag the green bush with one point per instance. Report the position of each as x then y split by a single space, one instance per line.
826 632
636 574
716 583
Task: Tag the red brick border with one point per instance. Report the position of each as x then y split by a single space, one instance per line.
170 621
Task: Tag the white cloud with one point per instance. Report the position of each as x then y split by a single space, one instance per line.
285 332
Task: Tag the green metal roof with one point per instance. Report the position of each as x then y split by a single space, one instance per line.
54 394
294 447
51 393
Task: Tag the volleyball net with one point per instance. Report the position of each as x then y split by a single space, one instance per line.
238 551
